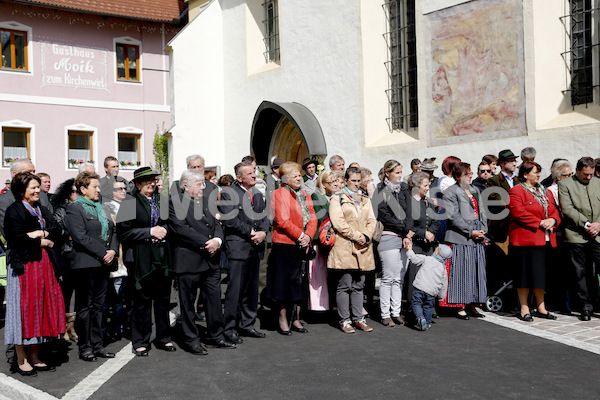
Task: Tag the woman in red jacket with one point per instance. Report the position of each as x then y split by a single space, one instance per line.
532 231
294 226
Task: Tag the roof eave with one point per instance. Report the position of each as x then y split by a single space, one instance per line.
174 21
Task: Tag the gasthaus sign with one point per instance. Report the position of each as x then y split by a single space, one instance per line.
74 66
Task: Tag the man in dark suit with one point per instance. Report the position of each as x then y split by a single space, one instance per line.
246 224
497 254
195 162
580 202
197 239
503 182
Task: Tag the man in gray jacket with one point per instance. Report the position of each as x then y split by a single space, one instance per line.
580 202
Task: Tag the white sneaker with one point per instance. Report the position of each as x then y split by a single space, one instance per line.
346 327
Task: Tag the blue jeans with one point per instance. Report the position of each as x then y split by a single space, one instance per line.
422 305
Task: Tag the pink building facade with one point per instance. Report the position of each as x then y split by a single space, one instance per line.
78 86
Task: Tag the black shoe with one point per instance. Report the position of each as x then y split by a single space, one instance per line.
163 346
300 330
89 357
526 317
540 315
15 368
42 368
234 338
196 349
284 333
473 313
464 317
140 353
585 315
220 343
105 354
252 333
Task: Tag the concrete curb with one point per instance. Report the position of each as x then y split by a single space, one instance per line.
17 390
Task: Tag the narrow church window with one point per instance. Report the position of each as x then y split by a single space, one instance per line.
271 23
579 57
402 64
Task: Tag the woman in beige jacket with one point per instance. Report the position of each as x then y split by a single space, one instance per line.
352 217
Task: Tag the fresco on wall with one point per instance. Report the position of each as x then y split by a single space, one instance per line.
476 72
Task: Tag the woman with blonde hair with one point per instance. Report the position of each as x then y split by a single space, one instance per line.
392 213
294 226
318 295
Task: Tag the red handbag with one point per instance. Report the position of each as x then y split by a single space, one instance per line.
326 233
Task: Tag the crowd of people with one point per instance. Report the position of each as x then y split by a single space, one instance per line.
302 240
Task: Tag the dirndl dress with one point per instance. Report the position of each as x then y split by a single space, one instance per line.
35 309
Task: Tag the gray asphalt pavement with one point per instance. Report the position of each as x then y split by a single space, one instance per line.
454 360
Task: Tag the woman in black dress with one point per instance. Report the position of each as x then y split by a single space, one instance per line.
294 226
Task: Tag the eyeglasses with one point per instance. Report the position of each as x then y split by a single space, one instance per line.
485 171
74 191
332 182
567 175
469 174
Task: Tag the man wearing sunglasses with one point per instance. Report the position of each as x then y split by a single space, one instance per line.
484 172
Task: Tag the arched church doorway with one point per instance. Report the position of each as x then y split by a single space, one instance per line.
286 130
287 142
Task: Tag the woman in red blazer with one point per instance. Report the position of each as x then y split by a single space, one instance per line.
294 226
532 232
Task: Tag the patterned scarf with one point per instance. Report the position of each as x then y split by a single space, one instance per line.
539 193
36 212
95 208
354 196
302 200
154 210
395 187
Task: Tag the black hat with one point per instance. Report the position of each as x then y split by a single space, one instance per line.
277 162
506 155
143 173
309 160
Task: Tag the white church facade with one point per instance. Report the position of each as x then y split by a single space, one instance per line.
377 79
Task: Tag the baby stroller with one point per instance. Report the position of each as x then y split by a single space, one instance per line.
502 294
500 298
